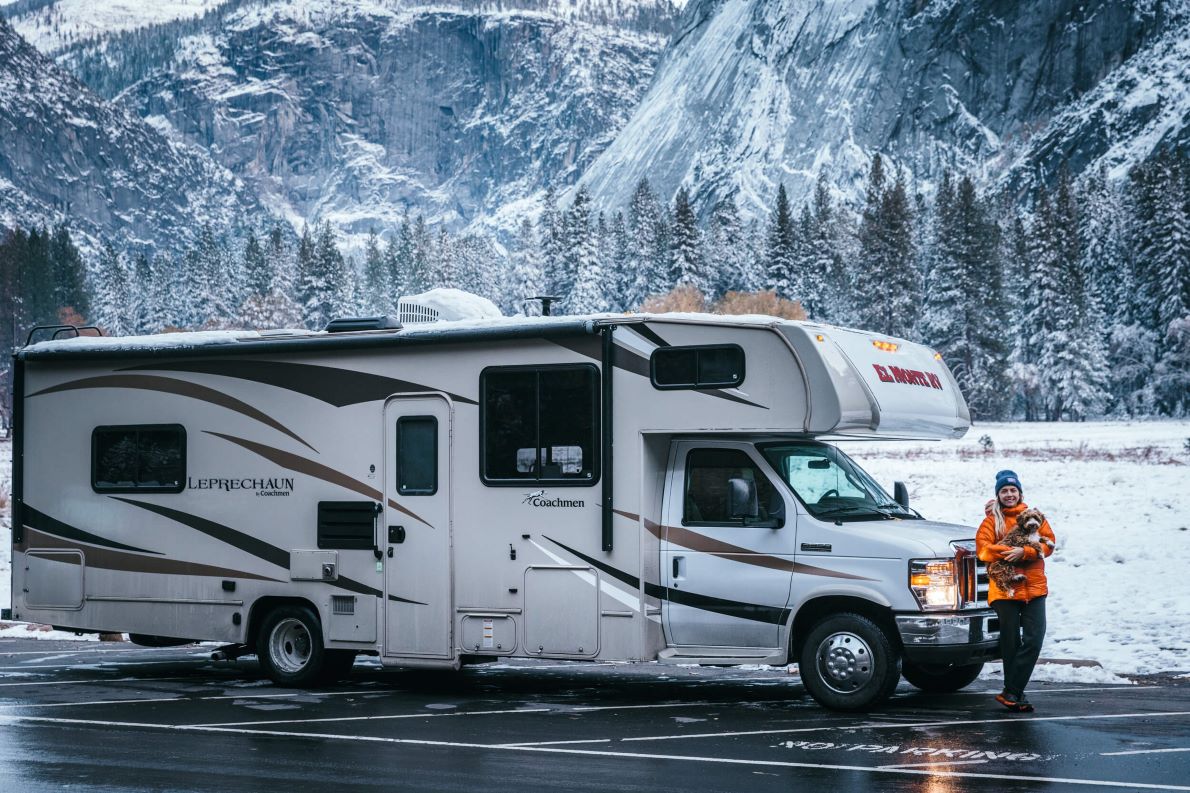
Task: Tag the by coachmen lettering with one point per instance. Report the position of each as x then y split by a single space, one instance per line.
538 499
895 374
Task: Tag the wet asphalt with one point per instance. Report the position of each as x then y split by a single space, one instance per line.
114 717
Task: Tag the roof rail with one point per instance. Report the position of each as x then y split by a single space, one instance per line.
60 329
352 324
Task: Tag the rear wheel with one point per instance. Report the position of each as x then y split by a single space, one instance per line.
289 646
848 663
940 679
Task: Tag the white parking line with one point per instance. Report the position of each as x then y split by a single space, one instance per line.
93 680
910 724
386 717
93 664
930 772
1144 751
137 701
934 765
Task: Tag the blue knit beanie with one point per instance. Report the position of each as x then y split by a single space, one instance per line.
1005 478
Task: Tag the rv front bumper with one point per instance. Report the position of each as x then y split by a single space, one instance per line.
952 639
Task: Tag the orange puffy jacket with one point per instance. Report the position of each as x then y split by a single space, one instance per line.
1032 565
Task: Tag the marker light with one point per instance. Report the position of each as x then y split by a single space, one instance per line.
820 337
887 346
937 356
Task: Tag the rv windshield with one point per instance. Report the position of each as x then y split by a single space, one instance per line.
830 484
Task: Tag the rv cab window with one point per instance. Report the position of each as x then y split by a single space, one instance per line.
709 475
718 366
136 459
539 424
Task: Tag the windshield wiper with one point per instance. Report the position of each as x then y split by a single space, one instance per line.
854 508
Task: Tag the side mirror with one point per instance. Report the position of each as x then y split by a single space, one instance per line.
741 499
901 494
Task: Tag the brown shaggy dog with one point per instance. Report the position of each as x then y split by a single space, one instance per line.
1024 535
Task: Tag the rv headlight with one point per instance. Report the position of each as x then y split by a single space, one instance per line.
934 583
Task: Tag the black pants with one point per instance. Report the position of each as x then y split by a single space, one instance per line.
1022 630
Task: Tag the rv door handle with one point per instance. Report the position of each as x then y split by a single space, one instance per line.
679 568
396 534
824 547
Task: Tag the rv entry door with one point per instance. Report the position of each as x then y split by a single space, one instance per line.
416 530
726 548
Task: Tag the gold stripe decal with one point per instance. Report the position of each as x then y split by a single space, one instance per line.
700 543
168 385
317 470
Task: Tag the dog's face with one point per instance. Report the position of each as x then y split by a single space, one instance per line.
1030 520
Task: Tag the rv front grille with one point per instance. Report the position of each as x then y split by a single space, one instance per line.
342 604
973 576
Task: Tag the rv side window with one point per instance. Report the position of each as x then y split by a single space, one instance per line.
720 366
708 482
417 455
539 424
137 459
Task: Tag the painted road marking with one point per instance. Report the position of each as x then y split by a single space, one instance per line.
1144 751
93 664
901 725
136 701
94 680
386 717
934 765
916 772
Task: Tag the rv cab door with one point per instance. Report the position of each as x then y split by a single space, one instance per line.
416 532
727 576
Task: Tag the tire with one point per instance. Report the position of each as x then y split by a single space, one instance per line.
290 649
849 663
940 679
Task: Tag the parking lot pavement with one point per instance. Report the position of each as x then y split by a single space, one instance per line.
115 718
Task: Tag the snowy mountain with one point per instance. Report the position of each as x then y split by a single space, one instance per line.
753 93
65 152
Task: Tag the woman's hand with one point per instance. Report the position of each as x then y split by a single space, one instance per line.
1013 554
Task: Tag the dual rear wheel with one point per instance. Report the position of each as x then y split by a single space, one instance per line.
289 646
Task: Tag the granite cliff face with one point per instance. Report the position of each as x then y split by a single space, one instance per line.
65 152
359 114
754 92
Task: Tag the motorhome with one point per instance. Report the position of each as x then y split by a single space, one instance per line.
654 488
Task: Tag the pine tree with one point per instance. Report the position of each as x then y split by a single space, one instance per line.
1171 269
886 277
585 294
621 272
553 245
648 245
376 286
780 252
826 262
421 258
140 294
687 262
110 292
312 287
257 276
525 280
69 273
728 252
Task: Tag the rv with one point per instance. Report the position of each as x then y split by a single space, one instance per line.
662 488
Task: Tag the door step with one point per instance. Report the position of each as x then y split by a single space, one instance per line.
722 656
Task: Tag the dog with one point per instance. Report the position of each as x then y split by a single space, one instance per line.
1024 535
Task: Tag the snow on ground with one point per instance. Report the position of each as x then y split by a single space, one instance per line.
1117 495
59 24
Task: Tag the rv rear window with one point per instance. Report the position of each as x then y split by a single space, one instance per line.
539 424
719 366
137 459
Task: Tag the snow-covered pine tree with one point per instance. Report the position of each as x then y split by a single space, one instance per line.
886 277
780 249
110 292
281 263
526 278
551 233
421 258
375 287
445 267
337 274
648 244
621 271
141 309
69 272
165 294
311 283
258 277
728 260
807 283
826 258
687 261
398 260
1171 269
585 294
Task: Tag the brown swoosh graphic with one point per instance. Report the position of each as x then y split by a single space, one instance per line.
317 470
109 559
704 544
168 385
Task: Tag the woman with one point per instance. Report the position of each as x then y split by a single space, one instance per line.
1022 614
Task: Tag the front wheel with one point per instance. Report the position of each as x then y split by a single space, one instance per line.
849 663
289 646
940 679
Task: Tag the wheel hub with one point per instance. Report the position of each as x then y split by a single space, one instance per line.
290 646
845 662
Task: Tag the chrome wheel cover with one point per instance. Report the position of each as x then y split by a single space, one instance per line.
845 662
290 646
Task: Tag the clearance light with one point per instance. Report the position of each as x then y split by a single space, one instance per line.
887 346
937 356
820 337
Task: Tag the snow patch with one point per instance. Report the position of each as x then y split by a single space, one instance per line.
455 304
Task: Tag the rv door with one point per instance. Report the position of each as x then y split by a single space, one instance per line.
727 548
416 531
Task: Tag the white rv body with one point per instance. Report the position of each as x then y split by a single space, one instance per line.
297 489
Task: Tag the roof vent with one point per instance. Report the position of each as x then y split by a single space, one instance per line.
411 311
355 324
447 305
